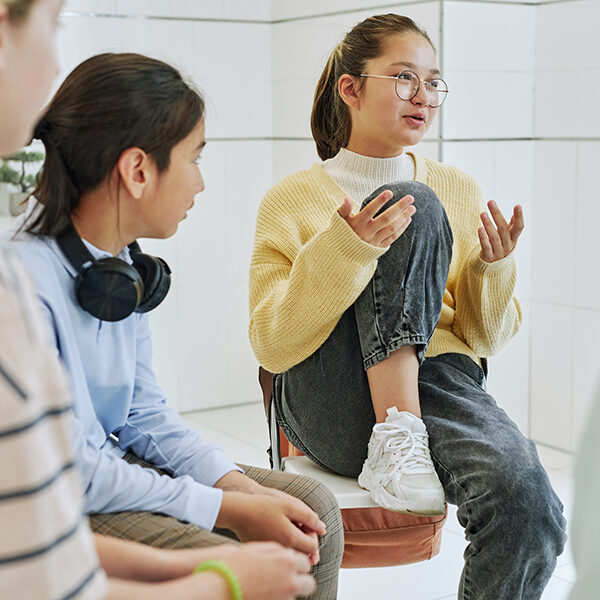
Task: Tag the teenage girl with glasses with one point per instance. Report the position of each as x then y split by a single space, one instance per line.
376 285
46 547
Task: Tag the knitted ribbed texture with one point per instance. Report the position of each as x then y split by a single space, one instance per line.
308 267
360 175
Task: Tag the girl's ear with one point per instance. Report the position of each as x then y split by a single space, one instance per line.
134 167
348 90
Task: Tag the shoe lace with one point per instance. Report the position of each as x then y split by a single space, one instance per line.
408 450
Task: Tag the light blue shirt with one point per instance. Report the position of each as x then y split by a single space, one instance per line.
115 392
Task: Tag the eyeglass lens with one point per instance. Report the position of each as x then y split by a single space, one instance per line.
407 86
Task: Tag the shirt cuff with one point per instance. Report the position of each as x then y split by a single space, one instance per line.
212 467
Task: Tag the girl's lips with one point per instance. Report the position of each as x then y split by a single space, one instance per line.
415 121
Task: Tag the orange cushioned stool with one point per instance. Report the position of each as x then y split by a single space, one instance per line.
373 536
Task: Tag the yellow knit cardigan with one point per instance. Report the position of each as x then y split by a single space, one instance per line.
308 267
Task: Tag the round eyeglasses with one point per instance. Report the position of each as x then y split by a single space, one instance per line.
408 84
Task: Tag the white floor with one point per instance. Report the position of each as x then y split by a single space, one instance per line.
242 433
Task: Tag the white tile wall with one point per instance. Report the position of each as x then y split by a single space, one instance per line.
587 217
301 49
586 368
474 32
484 104
567 51
553 223
551 374
258 80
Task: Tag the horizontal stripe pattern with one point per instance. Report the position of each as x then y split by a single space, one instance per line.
46 548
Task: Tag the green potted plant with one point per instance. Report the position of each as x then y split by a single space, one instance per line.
17 180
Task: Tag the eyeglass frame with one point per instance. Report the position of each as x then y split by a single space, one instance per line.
418 87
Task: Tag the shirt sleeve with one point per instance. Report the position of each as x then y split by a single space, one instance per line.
298 292
488 314
113 485
155 431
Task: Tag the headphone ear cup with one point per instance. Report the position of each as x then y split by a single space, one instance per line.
156 275
110 289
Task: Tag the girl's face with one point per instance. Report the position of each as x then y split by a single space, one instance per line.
382 123
169 199
28 67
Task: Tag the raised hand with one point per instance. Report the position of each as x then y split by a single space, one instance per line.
499 240
383 229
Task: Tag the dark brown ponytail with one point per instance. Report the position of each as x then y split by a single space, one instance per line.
330 119
109 103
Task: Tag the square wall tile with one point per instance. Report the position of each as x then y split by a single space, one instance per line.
567 35
587 217
586 369
479 105
551 375
552 116
476 34
553 223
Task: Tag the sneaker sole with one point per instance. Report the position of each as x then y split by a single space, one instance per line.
383 498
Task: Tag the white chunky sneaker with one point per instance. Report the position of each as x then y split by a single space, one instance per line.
398 471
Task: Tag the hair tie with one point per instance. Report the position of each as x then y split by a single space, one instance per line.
41 129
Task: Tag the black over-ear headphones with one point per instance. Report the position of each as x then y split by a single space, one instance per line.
109 288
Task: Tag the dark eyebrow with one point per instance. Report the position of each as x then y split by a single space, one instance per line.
413 66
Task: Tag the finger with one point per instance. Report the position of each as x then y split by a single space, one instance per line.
303 542
301 562
306 585
392 238
315 556
493 236
502 225
487 254
304 517
394 216
345 210
393 211
370 209
517 223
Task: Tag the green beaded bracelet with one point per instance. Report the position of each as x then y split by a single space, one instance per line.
227 572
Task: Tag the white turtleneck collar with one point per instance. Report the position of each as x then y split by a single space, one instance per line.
360 175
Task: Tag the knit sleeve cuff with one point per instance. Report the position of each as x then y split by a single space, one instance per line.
345 241
504 267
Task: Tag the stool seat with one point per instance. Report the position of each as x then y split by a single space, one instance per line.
346 489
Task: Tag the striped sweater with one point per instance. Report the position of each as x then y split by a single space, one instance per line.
308 266
46 548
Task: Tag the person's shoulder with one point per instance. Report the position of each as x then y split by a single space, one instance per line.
32 249
297 183
445 174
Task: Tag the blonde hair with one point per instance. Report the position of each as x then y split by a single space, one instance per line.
330 119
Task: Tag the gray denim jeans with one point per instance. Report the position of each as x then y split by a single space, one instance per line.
512 518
